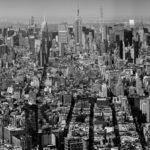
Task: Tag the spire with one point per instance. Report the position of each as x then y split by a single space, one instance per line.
78 10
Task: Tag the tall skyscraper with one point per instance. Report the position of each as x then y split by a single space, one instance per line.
121 50
62 37
63 33
44 44
32 20
78 29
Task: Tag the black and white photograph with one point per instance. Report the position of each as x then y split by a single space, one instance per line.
74 74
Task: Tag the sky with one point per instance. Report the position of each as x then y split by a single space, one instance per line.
65 10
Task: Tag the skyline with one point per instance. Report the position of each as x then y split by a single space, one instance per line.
66 10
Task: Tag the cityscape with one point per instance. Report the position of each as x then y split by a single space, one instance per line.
77 78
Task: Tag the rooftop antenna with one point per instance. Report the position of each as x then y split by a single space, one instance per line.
78 9
101 14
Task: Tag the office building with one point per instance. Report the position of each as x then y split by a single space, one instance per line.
128 38
70 32
37 45
104 32
145 107
32 43
44 44
119 88
1 33
78 29
136 50
121 50
11 32
104 90
63 33
62 37
139 88
3 50
16 40
32 20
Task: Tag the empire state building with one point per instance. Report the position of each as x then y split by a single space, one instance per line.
78 29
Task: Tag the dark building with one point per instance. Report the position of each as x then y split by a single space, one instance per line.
1 42
121 49
31 31
54 34
32 44
3 50
70 30
148 40
128 38
145 30
4 32
31 123
16 40
10 32
1 31
118 39
44 49
136 50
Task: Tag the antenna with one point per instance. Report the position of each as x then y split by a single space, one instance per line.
44 16
101 11
78 9
101 14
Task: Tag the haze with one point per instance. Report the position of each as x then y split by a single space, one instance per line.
66 9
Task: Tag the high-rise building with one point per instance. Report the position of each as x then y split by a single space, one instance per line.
104 90
62 37
32 20
104 32
44 44
136 50
31 124
78 29
145 107
139 89
63 33
128 38
32 43
1 33
121 50
119 88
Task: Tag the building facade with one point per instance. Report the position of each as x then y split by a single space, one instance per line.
78 29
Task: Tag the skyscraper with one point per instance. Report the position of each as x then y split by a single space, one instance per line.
62 37
44 44
63 33
121 50
32 20
78 29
